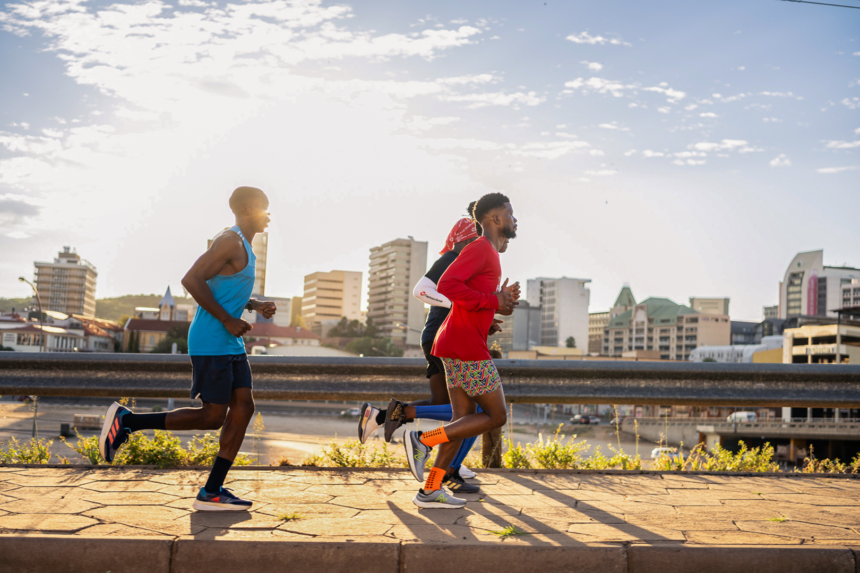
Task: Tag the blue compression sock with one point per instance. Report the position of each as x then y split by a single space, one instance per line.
464 450
441 413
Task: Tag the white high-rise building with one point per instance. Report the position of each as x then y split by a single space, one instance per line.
395 268
330 296
564 309
811 288
67 285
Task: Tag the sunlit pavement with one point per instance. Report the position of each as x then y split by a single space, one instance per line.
373 508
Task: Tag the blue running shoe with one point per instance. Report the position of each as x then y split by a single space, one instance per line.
416 453
113 434
224 500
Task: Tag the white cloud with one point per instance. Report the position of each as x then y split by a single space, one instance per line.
594 66
565 135
672 95
857 131
831 170
664 109
649 153
599 85
596 153
851 103
780 160
691 107
601 172
473 79
724 145
549 150
561 126
586 38
613 125
195 3
771 120
629 152
420 123
708 114
842 144
496 98
686 154
740 68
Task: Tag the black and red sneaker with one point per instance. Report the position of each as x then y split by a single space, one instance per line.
113 433
224 500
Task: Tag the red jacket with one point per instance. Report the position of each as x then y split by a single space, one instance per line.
470 283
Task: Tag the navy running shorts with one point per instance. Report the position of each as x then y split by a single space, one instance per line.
215 377
434 365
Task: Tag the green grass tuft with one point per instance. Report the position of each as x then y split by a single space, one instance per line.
509 531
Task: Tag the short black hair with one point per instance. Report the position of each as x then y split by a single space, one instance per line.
243 195
469 211
488 203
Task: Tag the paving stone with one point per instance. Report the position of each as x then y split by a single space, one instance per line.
807 499
310 510
118 530
413 516
179 477
799 529
5 485
625 507
44 493
450 534
674 499
56 506
682 523
570 515
556 482
234 520
335 526
316 478
155 518
374 502
123 486
507 487
713 494
6 499
524 523
283 495
738 538
42 522
268 476
574 495
58 481
128 498
844 517
521 501
123 475
623 532
338 490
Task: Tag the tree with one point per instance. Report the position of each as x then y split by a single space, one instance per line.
346 329
177 334
368 346
570 342
298 321
708 359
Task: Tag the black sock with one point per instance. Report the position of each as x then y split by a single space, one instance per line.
218 474
135 422
380 417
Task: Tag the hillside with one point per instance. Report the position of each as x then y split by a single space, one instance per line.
117 307
7 304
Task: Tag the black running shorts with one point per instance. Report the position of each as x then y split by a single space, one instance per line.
215 377
434 365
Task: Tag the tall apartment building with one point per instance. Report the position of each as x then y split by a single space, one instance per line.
811 288
770 311
710 305
395 268
520 331
260 246
67 285
673 330
564 309
851 294
598 321
330 296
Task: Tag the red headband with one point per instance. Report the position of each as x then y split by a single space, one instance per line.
462 231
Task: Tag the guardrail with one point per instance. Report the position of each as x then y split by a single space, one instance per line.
525 381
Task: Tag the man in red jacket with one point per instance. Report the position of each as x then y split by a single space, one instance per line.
472 284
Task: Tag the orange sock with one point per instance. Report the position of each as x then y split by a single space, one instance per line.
434 480
435 437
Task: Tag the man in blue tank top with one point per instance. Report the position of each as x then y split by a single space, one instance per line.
221 281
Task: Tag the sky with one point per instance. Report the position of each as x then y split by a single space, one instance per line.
683 148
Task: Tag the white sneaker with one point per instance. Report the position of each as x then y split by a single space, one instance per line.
367 422
439 499
466 473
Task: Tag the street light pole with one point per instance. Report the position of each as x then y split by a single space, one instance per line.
42 345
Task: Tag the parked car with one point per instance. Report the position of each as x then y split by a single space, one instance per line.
659 451
618 421
593 420
351 412
742 418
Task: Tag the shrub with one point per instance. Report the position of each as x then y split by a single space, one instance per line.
555 455
32 452
354 454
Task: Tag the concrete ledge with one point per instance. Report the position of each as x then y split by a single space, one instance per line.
54 553
193 556
498 558
760 559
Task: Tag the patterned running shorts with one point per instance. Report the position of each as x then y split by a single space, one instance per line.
474 377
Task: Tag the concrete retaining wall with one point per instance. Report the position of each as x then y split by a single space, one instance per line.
674 432
76 554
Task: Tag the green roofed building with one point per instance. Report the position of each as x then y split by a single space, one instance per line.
660 325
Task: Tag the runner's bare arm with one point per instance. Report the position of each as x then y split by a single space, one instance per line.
265 307
226 250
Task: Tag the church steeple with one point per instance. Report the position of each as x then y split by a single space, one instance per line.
167 306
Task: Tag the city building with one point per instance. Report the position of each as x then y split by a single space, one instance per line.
741 353
597 323
521 331
771 311
149 326
743 332
260 246
851 294
67 285
564 309
710 305
811 288
395 268
547 353
330 296
822 344
658 324
63 333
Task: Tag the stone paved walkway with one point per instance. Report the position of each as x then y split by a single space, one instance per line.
549 509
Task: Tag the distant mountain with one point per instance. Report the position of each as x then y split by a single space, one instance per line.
117 307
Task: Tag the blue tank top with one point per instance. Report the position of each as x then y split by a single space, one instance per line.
207 336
